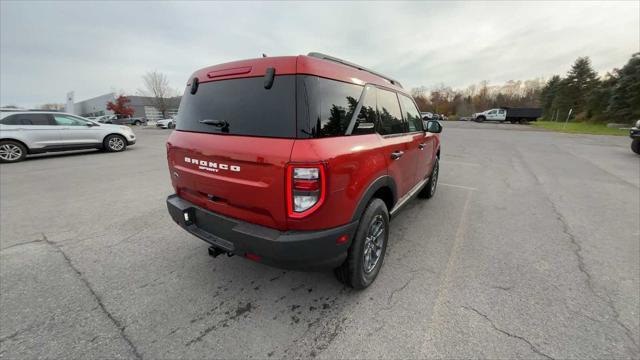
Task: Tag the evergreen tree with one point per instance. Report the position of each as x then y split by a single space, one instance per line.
581 80
598 100
624 103
562 102
548 93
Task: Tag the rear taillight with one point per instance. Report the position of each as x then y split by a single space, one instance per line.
305 189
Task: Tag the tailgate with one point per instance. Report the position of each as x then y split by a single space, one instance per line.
238 176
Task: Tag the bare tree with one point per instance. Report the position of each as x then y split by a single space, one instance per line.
157 86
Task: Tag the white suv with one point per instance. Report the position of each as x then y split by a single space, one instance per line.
32 132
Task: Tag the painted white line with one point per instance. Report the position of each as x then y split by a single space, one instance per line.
460 163
437 319
459 186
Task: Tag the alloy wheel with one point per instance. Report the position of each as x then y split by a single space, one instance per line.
434 180
10 152
373 244
116 143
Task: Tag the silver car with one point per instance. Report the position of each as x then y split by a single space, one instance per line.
166 123
33 132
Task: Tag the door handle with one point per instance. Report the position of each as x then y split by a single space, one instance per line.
397 155
421 146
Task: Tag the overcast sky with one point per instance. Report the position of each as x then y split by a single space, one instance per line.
50 48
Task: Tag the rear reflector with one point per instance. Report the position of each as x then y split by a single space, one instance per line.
306 185
253 257
342 239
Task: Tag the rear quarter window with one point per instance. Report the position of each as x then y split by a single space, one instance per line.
325 107
27 119
244 105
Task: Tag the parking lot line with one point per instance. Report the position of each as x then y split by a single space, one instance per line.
448 274
460 186
454 162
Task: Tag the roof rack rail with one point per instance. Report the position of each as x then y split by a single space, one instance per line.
359 67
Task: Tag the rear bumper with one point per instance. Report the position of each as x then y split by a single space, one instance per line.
300 250
634 133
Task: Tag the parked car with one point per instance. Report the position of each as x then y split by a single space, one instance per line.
166 123
33 132
427 115
121 120
634 133
303 178
137 121
513 115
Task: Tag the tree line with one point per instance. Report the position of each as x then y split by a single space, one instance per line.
614 97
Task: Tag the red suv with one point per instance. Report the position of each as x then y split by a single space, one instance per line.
299 162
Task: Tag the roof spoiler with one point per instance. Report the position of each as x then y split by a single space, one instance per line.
350 64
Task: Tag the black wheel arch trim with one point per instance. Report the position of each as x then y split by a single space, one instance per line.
379 183
109 134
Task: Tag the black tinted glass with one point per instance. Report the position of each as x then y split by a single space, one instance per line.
326 106
390 115
33 119
411 113
241 107
368 115
10 120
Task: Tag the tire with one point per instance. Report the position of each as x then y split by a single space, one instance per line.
12 151
115 143
171 125
480 119
513 121
431 186
137 123
356 271
635 146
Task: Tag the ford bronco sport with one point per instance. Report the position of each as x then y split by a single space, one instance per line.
299 162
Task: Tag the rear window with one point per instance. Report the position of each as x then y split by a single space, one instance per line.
241 107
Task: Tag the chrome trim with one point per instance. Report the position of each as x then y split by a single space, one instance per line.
408 196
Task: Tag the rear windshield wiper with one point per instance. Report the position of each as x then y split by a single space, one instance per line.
218 123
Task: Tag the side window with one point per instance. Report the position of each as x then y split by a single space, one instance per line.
411 113
390 114
492 112
64 120
331 105
34 119
11 120
502 111
368 115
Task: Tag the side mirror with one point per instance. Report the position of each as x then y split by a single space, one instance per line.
433 126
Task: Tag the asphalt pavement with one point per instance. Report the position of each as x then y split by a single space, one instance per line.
530 249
